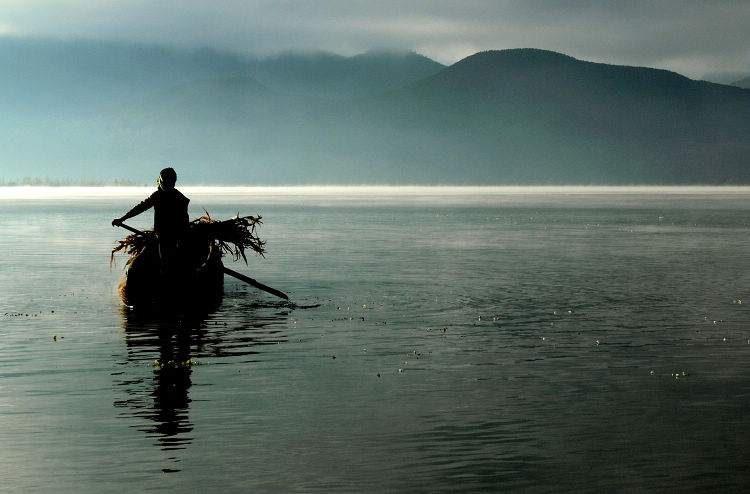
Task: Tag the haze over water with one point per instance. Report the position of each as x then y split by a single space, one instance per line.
553 339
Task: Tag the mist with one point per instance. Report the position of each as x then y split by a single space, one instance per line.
692 38
94 111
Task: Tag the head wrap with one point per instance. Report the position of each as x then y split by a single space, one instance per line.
167 179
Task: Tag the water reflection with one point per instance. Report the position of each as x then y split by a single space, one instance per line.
164 352
160 400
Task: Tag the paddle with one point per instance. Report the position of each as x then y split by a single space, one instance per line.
230 272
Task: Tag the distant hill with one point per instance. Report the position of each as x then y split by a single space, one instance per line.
62 77
726 77
533 116
500 117
330 76
90 109
744 83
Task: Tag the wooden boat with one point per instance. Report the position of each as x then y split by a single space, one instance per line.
194 278
195 281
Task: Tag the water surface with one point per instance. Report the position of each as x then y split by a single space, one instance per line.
439 340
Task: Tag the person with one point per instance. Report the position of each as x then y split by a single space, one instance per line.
170 217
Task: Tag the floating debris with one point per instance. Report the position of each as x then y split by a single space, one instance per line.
189 363
20 314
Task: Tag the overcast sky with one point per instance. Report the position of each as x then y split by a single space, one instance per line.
691 37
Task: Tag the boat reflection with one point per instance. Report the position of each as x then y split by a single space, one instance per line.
163 352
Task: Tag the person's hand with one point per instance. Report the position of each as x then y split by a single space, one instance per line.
117 222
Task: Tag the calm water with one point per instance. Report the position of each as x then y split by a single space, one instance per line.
440 340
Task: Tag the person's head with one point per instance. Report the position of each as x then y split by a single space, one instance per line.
167 179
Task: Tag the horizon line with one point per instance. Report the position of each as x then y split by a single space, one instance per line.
41 192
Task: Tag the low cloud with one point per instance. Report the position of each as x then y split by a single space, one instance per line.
690 37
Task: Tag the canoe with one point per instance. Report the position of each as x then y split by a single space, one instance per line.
196 280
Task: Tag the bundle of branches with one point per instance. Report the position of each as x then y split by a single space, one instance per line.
133 245
233 236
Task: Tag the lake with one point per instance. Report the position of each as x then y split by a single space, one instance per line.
438 339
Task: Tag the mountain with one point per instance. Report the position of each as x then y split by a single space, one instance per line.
743 83
533 116
723 77
93 109
43 76
501 117
325 75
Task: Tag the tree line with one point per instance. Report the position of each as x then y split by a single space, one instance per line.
66 182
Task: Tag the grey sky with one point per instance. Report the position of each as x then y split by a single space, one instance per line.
687 36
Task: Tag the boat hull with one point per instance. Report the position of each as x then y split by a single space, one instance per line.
196 282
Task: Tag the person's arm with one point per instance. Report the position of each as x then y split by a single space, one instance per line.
136 210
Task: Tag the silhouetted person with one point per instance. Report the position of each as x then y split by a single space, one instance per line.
170 217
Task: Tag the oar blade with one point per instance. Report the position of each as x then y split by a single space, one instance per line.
255 283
